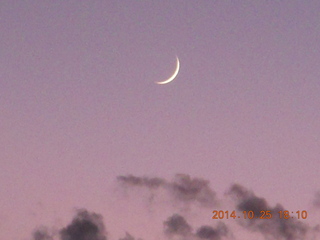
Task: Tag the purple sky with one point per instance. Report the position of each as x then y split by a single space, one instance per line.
79 107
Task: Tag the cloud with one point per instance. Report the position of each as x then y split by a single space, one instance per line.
177 225
188 189
182 188
210 233
42 234
185 189
276 227
84 226
207 232
247 201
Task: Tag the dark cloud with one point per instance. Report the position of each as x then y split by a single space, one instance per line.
207 232
276 227
292 229
189 189
239 192
183 188
84 226
254 204
177 225
42 234
210 233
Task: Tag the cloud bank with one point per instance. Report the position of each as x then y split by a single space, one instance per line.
191 191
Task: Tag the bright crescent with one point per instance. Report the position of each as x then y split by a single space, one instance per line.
170 79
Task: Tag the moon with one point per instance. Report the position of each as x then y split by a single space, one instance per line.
170 79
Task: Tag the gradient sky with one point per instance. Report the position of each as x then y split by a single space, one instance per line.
79 106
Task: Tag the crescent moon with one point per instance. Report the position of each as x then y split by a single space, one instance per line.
170 79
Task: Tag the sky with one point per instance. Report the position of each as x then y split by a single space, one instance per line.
93 149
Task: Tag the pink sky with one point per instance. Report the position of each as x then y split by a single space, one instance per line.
79 107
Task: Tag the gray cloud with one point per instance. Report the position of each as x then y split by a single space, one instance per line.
208 232
189 189
185 189
177 225
276 227
182 188
42 234
84 226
